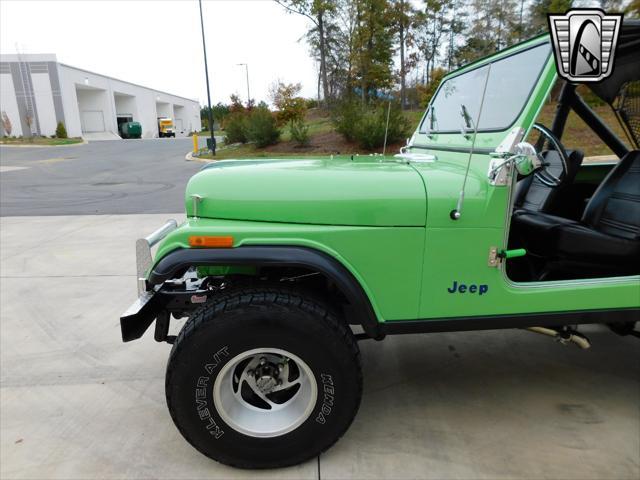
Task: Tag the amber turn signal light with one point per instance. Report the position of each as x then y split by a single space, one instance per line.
211 242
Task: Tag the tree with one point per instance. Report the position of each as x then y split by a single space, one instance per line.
633 9
435 21
219 113
319 12
538 14
403 17
286 99
496 25
425 93
373 47
236 104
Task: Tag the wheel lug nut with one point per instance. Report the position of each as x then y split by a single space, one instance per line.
263 361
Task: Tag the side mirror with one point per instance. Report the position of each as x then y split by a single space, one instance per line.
526 159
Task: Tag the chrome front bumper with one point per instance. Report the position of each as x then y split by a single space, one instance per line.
144 261
141 314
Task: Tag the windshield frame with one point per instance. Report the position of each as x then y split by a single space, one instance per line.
482 63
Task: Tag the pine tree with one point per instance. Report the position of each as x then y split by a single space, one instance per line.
373 47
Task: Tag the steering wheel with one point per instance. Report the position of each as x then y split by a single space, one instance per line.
544 174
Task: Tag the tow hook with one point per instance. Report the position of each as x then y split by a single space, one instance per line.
563 336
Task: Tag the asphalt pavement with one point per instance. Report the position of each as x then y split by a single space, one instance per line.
108 177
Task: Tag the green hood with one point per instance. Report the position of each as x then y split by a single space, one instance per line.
364 191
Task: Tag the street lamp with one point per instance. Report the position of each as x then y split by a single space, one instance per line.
247 72
206 72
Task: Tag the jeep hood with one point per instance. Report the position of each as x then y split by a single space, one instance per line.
365 191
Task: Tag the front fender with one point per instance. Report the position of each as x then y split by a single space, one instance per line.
178 261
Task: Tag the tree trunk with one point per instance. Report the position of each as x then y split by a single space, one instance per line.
323 63
403 73
319 82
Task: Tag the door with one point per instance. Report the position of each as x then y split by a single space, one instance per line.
461 277
501 96
92 121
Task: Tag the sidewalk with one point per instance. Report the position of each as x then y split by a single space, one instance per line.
77 403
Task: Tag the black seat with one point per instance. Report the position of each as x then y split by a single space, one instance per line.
605 242
533 195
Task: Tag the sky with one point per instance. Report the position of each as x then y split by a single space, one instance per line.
158 44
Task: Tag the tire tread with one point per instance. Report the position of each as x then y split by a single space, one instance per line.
241 298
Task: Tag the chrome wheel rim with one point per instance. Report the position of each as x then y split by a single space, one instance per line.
265 392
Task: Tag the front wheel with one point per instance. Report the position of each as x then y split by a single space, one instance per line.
264 378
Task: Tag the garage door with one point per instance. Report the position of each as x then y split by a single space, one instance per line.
92 121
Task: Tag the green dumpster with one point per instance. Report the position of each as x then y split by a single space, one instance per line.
130 130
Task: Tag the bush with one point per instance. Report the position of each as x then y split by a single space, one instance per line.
299 132
311 103
61 132
367 125
346 118
235 127
261 128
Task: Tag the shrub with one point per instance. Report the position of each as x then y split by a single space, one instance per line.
299 132
346 117
61 132
261 128
235 127
367 125
311 103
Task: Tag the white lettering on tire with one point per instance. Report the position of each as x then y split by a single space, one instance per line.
201 394
328 398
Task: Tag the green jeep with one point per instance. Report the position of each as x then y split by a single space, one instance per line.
282 266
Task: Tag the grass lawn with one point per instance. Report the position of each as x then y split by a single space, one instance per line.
206 133
324 140
39 141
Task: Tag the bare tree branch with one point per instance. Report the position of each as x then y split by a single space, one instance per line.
291 10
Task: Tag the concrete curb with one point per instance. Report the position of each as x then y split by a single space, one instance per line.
190 158
84 142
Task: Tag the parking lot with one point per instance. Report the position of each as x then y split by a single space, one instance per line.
75 402
114 177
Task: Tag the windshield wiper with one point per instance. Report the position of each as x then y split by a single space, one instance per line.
468 122
432 121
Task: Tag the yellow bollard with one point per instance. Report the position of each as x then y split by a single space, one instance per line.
195 143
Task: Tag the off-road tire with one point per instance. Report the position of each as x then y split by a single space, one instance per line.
259 317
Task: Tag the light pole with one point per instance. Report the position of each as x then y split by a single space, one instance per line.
206 73
246 67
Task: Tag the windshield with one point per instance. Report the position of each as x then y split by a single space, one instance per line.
511 80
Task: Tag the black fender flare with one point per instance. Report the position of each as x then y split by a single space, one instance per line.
178 261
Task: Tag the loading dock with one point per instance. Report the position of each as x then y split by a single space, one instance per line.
92 105
89 104
179 120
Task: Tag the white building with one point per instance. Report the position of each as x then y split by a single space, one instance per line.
37 92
